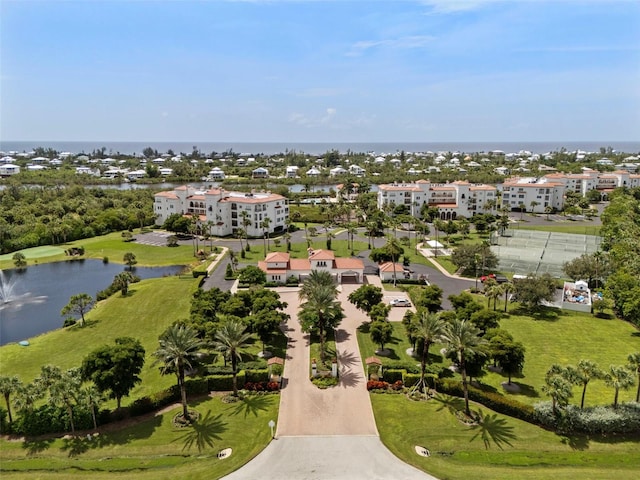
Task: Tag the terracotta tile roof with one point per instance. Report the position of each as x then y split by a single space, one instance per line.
398 188
299 264
443 189
196 197
182 187
445 205
350 263
322 255
263 266
388 267
277 257
167 195
483 187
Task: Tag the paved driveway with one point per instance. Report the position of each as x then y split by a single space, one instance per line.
307 410
326 434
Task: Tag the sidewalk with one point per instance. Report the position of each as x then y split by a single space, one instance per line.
425 252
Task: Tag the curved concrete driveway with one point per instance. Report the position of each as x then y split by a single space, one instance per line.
326 434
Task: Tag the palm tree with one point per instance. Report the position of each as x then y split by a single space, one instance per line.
506 288
493 292
320 309
558 388
9 386
230 339
27 396
620 378
240 232
91 397
430 328
464 338
583 374
246 223
548 210
179 347
265 233
634 364
522 208
64 392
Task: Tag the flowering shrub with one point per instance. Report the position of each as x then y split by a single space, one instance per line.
377 385
262 386
397 385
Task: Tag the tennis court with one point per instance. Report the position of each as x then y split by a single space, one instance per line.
532 251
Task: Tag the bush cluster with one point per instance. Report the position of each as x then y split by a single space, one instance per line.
262 386
494 401
51 419
597 420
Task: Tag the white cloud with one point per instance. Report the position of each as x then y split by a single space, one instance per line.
412 41
331 112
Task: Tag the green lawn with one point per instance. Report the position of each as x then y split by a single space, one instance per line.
112 247
143 314
153 449
447 264
502 448
566 339
330 351
580 229
397 347
299 250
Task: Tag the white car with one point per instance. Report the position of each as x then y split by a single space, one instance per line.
400 302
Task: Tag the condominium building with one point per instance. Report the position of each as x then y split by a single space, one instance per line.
227 211
536 194
453 200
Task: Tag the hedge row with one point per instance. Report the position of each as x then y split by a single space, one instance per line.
494 401
591 420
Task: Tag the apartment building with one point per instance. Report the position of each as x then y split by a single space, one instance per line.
225 210
453 200
550 190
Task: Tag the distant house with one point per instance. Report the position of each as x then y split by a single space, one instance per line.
260 172
9 169
357 170
279 266
165 172
313 172
216 173
292 171
136 174
337 171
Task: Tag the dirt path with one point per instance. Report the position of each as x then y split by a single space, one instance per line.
342 410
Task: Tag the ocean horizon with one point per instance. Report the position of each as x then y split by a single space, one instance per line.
317 148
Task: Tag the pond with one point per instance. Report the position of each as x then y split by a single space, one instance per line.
36 295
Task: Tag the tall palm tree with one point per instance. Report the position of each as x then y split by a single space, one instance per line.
265 233
230 339
64 392
464 338
246 223
583 374
9 386
506 288
27 396
634 364
317 279
179 347
620 378
91 398
429 328
320 309
493 292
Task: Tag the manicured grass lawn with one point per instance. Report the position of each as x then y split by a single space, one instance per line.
144 314
580 229
447 264
153 449
397 346
566 339
112 247
502 448
330 351
299 250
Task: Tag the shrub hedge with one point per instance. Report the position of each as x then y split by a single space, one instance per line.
492 400
597 420
393 375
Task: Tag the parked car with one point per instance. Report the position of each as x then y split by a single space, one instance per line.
497 277
400 302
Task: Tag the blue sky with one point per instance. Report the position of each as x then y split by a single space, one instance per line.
320 71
